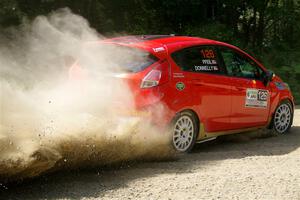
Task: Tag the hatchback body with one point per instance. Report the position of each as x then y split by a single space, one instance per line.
205 88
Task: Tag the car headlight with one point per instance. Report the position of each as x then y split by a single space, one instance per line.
282 86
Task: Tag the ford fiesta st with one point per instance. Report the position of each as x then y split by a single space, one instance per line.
208 88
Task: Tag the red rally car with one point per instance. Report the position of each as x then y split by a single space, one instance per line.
208 88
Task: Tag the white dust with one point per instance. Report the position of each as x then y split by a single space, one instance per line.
49 121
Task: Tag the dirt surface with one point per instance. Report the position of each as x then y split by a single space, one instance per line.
240 168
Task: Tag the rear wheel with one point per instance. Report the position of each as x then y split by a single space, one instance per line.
283 117
185 130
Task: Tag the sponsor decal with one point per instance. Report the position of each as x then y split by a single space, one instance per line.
180 86
257 98
178 75
158 49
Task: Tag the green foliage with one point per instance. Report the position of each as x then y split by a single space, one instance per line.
269 29
215 31
10 14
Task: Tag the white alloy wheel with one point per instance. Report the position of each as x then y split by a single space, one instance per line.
282 118
183 133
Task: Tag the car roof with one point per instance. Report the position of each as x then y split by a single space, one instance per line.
171 43
155 39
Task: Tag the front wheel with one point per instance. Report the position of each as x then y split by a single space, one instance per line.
184 131
283 117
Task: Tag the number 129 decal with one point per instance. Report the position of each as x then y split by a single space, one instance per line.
256 98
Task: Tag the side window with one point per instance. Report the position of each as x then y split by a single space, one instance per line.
198 59
240 66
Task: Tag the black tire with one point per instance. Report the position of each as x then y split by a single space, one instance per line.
283 117
184 129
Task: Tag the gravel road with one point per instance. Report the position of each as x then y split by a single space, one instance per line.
240 168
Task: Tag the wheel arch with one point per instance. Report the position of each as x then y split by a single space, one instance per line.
191 111
197 117
286 99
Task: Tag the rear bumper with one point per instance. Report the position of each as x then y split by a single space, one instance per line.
157 115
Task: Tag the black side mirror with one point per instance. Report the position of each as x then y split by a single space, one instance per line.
268 77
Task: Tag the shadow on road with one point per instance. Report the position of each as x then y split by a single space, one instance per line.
95 182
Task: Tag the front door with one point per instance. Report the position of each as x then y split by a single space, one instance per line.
250 97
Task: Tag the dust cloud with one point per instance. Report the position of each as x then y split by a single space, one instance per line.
53 116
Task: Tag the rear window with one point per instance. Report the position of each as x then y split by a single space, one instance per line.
116 58
202 59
